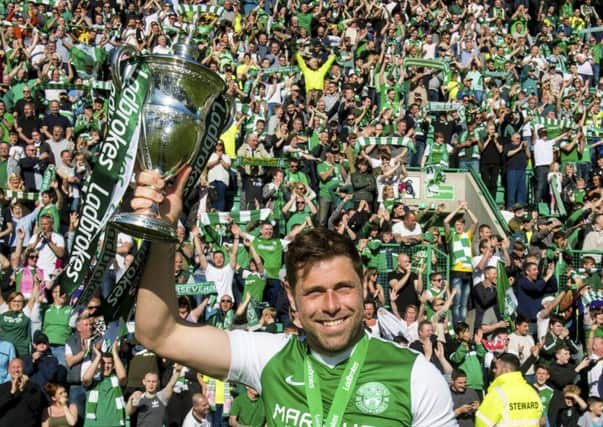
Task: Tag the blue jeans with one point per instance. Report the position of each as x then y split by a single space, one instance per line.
216 417
220 202
417 156
461 299
77 395
58 351
469 164
516 187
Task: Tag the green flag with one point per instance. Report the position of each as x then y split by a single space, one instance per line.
504 294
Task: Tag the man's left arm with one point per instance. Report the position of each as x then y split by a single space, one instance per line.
167 391
120 370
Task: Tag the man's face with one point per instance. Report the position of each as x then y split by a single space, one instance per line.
459 226
329 306
460 384
150 382
522 329
225 303
84 328
107 365
178 263
490 275
404 262
410 222
46 225
557 328
369 311
426 331
542 376
57 133
562 356
532 272
218 259
266 231
4 150
201 407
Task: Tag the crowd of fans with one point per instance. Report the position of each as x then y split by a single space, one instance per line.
336 101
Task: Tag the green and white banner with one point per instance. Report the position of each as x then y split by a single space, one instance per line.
199 288
590 30
107 184
273 70
238 217
554 123
182 9
443 106
85 85
274 162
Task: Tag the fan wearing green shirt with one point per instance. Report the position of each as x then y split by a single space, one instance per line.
247 410
337 375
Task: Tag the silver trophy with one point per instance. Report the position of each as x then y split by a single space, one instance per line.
173 122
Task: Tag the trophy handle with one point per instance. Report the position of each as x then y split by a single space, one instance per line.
116 66
231 108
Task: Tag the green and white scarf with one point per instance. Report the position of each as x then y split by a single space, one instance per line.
238 217
384 140
20 195
93 396
199 288
461 252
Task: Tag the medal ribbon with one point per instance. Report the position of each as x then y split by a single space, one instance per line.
344 390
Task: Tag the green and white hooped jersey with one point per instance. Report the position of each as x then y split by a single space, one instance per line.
396 386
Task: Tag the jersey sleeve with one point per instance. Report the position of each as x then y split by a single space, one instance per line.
249 354
431 401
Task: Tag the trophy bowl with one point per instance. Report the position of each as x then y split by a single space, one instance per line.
173 125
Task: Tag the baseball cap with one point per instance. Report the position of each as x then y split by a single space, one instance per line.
41 338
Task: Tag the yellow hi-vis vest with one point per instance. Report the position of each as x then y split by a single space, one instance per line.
510 402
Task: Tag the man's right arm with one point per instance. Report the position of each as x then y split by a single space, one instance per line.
159 328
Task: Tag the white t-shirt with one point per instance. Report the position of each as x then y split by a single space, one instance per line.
218 172
542 326
191 421
543 152
526 342
478 275
400 229
47 258
222 278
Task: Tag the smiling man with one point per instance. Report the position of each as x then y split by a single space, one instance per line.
337 375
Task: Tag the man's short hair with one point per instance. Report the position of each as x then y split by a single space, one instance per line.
458 373
510 360
521 319
313 246
490 267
